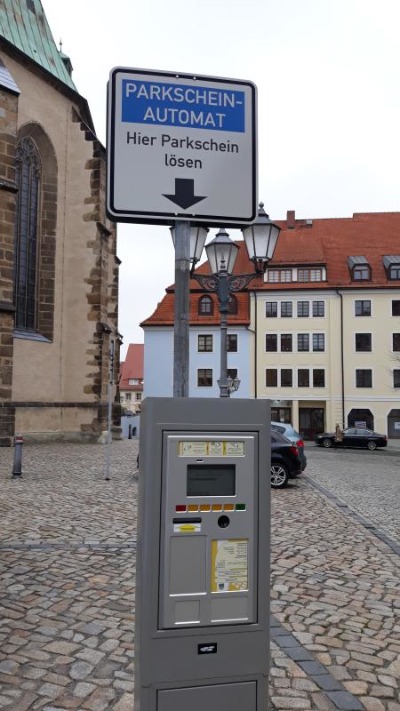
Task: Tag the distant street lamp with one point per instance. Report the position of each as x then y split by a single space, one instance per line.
260 238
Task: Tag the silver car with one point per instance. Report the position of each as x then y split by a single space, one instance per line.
291 434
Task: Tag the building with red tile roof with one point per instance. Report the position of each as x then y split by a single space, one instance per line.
131 378
318 334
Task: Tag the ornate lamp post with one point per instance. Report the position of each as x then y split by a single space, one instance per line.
188 242
260 239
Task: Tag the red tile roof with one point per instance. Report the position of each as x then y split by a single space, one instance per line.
132 367
320 242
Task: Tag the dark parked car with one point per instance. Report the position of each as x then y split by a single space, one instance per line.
290 433
285 461
353 437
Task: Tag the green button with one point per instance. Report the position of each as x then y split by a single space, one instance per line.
240 507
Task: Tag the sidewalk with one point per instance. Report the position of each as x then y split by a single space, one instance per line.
67 555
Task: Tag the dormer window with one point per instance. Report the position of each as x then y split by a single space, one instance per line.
360 269
392 266
232 305
206 306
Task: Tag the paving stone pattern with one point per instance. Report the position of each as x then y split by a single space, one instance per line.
67 596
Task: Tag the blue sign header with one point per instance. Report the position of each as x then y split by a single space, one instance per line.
163 104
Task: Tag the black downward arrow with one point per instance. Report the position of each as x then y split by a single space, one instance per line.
184 193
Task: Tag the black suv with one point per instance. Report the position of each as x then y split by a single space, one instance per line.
285 461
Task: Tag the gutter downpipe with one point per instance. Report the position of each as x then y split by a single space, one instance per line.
254 332
339 293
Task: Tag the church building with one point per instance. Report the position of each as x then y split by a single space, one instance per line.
59 340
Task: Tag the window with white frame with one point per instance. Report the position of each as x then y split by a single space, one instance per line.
271 309
286 343
303 309
363 342
309 275
232 343
286 378
286 309
271 377
362 307
276 276
318 341
271 342
396 342
204 377
303 378
364 378
318 378
318 308
303 342
205 343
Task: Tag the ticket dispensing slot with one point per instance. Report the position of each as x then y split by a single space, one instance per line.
207 561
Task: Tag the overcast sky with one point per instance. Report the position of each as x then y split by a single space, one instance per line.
328 83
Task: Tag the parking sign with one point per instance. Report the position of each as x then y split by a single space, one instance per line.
180 147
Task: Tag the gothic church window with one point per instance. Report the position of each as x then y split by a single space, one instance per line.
28 179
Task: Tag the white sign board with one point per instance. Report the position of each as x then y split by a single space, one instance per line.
180 147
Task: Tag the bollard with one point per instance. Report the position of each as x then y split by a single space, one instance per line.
17 465
130 432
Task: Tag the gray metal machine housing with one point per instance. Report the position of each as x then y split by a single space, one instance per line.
202 588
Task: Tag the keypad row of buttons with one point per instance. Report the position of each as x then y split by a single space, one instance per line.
195 508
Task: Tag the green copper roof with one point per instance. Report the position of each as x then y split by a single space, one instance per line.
23 24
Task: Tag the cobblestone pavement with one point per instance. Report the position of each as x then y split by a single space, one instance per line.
67 554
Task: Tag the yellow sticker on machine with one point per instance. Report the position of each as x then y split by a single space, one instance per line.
229 565
211 448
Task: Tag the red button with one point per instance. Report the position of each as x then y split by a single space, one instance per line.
180 507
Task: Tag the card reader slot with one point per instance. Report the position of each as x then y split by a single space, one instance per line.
186 519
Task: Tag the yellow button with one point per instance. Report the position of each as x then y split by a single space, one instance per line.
205 507
192 507
229 507
216 507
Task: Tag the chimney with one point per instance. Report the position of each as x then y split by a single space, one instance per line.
291 219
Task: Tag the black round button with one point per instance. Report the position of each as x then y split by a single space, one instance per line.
223 521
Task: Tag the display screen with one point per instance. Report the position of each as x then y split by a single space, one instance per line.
211 480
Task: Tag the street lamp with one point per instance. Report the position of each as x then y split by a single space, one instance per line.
197 240
260 239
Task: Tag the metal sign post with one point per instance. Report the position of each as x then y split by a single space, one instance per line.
109 408
181 310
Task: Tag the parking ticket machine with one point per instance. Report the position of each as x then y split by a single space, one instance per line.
202 591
